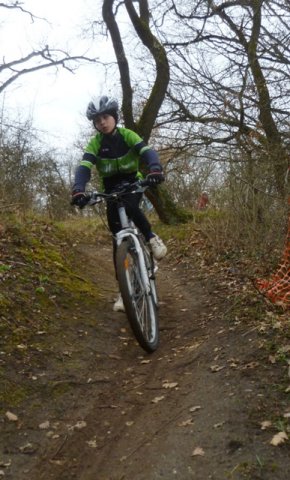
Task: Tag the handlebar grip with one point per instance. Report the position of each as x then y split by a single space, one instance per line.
144 183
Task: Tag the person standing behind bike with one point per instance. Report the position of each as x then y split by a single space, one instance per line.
116 153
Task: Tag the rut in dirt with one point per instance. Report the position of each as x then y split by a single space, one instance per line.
191 410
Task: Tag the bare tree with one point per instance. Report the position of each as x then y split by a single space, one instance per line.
31 177
229 74
140 21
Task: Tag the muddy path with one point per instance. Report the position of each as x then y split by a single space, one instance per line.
191 410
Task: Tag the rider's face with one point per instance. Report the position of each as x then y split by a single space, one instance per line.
105 123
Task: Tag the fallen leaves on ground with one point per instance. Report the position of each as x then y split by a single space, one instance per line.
45 425
279 438
169 384
157 399
216 368
265 424
185 423
195 408
11 416
198 451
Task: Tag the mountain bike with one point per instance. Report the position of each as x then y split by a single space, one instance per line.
135 269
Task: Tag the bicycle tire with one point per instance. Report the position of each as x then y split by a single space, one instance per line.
139 305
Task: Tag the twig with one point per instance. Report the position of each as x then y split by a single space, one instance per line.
59 448
16 263
11 205
249 331
85 384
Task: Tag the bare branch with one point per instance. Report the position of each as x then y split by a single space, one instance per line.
48 56
18 6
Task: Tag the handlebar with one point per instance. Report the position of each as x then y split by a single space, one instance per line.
136 187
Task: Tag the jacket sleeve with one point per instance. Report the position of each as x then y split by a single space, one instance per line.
83 172
149 157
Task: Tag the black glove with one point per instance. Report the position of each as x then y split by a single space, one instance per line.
79 199
154 178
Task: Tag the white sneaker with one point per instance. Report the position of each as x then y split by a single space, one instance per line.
158 248
119 305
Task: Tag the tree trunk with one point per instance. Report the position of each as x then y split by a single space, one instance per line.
166 209
276 150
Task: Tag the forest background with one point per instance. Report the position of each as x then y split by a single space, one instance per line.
206 83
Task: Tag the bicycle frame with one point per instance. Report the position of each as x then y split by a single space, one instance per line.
132 232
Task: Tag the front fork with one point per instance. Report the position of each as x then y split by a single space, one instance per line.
124 235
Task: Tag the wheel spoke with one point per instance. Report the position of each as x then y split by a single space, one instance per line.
139 299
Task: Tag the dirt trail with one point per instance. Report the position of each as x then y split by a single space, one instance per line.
192 410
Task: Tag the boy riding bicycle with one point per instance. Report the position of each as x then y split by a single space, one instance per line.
116 153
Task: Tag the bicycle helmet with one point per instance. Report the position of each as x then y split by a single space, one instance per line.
102 105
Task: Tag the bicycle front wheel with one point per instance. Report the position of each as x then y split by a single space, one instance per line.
138 298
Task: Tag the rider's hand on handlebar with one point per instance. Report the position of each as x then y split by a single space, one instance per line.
79 199
154 178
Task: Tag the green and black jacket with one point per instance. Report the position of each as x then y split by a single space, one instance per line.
116 157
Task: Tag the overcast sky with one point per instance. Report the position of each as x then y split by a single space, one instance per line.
57 102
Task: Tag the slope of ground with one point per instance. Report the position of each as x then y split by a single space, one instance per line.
80 399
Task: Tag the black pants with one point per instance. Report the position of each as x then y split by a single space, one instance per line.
131 203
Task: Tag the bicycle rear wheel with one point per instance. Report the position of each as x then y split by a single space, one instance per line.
138 300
